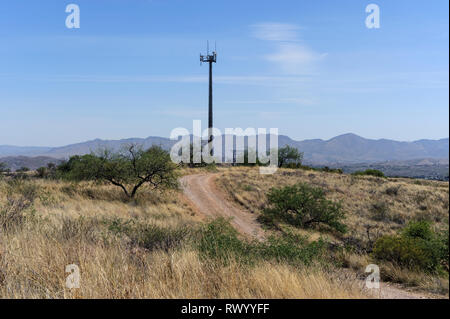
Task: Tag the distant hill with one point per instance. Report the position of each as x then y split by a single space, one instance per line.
94 145
16 162
342 149
351 148
10 150
427 168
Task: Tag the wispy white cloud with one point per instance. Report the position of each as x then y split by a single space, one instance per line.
291 55
276 32
295 58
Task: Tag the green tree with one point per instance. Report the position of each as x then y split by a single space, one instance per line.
3 168
289 155
304 206
129 169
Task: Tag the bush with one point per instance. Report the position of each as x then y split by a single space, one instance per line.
153 237
219 240
150 237
3 168
42 172
78 229
417 247
302 205
419 229
380 211
370 172
392 191
292 249
20 197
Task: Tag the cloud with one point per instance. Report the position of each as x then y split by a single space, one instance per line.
294 58
276 32
291 56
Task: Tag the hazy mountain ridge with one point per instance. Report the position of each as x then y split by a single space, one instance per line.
11 150
351 148
16 162
342 149
426 168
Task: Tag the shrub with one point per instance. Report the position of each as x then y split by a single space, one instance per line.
219 240
293 165
380 211
150 237
3 168
419 229
78 229
18 208
392 190
331 170
370 172
14 213
42 172
292 249
417 247
153 237
304 206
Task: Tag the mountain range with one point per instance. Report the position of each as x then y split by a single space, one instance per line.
344 149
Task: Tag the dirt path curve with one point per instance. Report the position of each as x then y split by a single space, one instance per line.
201 190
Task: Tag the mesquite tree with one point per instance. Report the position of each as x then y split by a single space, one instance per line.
128 169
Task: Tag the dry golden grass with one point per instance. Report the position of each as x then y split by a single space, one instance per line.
380 205
37 271
64 226
374 207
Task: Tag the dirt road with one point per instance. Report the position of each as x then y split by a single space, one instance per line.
201 190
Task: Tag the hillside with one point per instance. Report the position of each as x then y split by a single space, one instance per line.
347 148
351 148
16 162
160 245
374 207
11 150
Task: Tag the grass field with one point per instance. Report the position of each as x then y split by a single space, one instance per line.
374 207
157 246
49 224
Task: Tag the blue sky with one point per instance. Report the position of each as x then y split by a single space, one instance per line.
310 68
